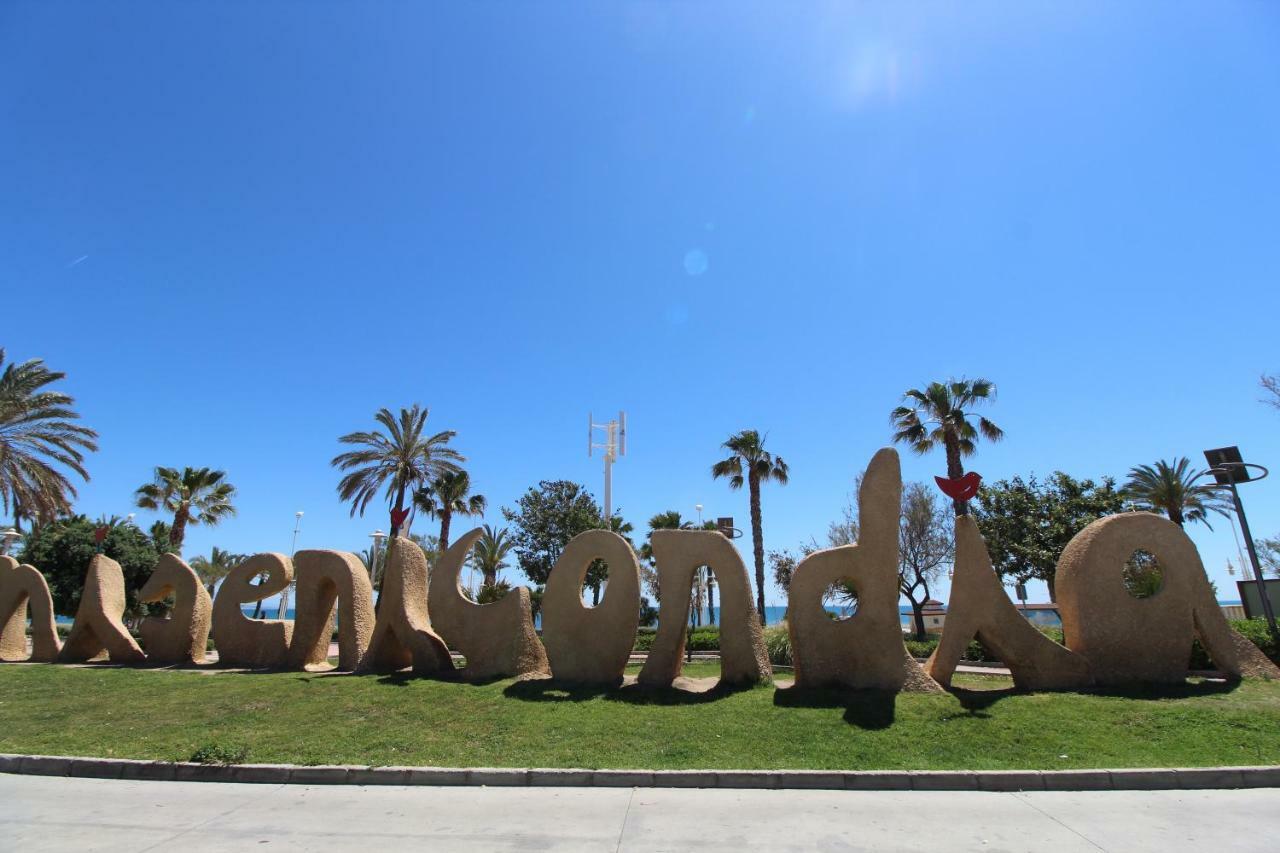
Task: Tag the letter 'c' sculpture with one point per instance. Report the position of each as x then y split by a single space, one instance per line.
20 587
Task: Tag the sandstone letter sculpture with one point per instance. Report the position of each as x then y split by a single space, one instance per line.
498 639
329 583
98 628
865 650
403 635
591 645
253 643
679 554
183 637
21 586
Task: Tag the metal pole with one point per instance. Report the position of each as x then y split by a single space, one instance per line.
608 471
293 549
1244 565
1253 558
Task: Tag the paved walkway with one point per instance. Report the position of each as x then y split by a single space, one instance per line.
43 813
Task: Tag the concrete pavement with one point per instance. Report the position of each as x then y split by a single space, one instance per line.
47 813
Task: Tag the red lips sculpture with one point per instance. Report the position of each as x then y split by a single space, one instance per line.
398 516
961 488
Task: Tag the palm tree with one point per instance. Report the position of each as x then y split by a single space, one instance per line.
749 462
37 441
216 566
446 496
490 553
402 459
938 416
1170 488
194 496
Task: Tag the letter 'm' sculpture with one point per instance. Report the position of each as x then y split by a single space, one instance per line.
497 639
1128 639
98 628
330 583
252 643
403 635
865 650
591 645
22 586
183 637
679 554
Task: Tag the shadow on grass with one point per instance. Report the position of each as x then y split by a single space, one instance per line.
975 701
866 709
550 690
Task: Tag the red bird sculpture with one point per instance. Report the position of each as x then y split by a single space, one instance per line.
961 488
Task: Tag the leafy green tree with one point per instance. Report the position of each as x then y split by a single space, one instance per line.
160 532
1027 523
1271 385
748 462
1269 555
1170 488
400 460
490 553
62 549
938 416
39 443
446 496
216 566
926 545
194 496
546 517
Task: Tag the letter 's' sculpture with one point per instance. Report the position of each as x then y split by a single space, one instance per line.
679 554
865 650
22 586
183 637
403 633
98 627
329 583
253 643
1128 639
498 639
980 608
591 645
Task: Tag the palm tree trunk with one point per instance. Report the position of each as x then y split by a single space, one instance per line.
955 470
757 541
711 597
179 532
446 517
395 528
490 577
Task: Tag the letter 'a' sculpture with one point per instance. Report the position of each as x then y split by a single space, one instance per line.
591 645
252 643
22 586
330 583
183 637
497 639
98 627
403 635
679 554
1129 639
865 650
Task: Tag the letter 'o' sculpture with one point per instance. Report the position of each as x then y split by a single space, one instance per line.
1128 639
98 628
679 554
330 583
865 650
591 645
22 586
497 639
253 643
183 637
403 635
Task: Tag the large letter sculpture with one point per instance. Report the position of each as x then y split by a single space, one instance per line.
330 583
403 633
679 554
865 650
1128 639
98 627
253 643
498 639
184 636
591 645
20 587
980 608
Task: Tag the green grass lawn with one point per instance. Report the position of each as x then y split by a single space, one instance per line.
320 719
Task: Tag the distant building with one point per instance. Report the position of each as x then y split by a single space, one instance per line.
934 613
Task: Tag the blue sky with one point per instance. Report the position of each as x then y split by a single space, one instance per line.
241 228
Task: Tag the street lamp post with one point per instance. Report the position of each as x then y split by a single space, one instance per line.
1228 467
293 549
377 536
9 537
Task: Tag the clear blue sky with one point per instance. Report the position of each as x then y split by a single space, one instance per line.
241 228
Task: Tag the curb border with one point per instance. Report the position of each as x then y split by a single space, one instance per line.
1127 779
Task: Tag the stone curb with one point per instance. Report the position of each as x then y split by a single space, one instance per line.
1129 779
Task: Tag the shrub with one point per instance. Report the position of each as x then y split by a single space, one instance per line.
777 642
216 753
705 638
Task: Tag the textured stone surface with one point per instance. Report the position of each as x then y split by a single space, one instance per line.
330 583
497 639
254 643
591 645
865 650
23 587
182 637
98 627
679 554
402 635
979 607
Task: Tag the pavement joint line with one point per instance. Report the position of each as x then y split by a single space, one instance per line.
1018 795
1006 781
